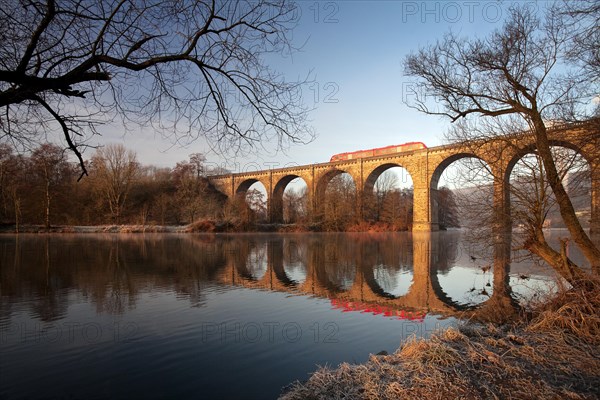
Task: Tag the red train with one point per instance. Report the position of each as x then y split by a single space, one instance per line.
380 151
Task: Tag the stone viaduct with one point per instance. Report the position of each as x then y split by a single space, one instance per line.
425 167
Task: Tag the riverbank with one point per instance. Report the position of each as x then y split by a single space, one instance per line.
551 353
91 229
203 226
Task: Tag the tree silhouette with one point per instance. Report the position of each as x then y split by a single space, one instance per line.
187 68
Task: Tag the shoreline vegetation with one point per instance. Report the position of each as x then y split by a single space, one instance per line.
202 226
549 352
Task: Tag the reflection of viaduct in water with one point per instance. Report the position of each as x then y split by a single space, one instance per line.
425 168
424 293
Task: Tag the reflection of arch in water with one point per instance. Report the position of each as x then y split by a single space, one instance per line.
237 271
366 287
450 270
498 306
369 254
502 305
257 261
317 282
426 290
241 254
237 253
294 258
394 281
275 262
341 262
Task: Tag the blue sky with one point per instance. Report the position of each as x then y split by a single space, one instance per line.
354 50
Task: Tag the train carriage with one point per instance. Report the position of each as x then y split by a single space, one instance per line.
379 151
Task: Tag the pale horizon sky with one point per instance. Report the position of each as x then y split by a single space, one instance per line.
354 51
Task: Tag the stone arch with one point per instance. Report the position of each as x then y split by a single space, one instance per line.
276 200
376 172
441 167
374 208
324 180
581 150
437 174
242 187
241 192
531 147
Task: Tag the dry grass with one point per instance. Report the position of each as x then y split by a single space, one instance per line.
553 354
572 312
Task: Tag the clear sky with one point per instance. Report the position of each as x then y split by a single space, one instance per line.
354 51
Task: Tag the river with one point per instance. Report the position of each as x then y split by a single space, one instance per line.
229 315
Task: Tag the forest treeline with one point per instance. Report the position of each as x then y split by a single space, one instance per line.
42 188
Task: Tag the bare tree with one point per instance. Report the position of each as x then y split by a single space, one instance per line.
385 185
295 205
197 160
196 68
448 215
194 197
244 211
50 167
583 19
339 203
9 164
189 190
519 75
397 209
257 204
114 170
11 191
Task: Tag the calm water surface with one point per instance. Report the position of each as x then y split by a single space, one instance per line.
222 316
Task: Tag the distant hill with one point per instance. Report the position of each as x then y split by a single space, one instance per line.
473 201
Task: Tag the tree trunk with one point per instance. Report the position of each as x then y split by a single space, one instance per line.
17 203
583 241
559 261
47 204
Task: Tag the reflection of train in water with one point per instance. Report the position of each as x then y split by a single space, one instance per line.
375 309
380 151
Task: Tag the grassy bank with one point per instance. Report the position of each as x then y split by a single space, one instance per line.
553 352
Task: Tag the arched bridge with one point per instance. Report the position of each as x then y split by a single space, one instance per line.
425 167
